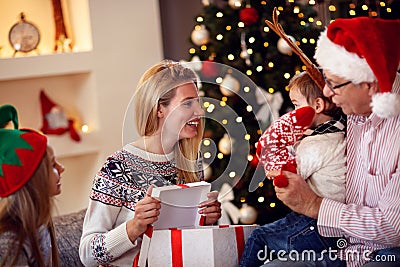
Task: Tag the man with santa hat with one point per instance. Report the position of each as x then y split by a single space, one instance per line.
360 62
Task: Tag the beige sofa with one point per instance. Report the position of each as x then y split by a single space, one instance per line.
68 231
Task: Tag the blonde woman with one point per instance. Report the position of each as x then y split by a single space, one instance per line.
168 118
29 178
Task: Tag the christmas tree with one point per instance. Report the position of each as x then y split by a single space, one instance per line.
247 90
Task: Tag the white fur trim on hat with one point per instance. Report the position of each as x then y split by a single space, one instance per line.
386 105
338 61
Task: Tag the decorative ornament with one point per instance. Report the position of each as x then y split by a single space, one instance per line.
229 85
235 4
254 161
54 119
249 15
248 214
225 144
244 54
270 105
21 152
207 170
62 42
209 68
229 212
200 35
283 46
196 63
24 36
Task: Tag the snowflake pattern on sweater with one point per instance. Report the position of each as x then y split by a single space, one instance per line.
123 181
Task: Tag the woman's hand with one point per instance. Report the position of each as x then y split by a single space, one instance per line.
298 196
146 212
211 208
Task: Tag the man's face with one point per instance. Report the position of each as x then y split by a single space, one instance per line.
352 98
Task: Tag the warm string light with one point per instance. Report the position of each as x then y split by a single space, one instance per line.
207 155
85 128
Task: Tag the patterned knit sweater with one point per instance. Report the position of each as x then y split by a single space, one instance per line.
117 187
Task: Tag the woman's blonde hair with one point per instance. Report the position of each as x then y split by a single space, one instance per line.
157 87
23 212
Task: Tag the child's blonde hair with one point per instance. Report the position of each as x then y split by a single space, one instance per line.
23 212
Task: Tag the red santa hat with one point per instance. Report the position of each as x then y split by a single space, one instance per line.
55 120
21 151
364 50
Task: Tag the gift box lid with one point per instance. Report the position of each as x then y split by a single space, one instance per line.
179 204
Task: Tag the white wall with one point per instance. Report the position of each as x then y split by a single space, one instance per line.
126 39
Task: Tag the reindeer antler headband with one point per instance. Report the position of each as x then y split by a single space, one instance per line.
311 69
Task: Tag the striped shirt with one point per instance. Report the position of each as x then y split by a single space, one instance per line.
370 217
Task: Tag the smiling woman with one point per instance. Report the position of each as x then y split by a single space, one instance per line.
168 118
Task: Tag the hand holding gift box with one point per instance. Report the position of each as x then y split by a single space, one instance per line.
178 237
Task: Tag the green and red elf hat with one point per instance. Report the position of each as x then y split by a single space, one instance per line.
21 151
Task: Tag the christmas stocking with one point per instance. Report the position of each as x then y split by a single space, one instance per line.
272 148
55 120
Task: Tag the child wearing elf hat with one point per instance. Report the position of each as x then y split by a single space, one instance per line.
29 177
315 134
360 59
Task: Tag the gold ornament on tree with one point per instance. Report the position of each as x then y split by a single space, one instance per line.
248 214
225 144
207 170
235 4
229 85
200 35
284 47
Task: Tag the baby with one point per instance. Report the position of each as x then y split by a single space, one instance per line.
320 158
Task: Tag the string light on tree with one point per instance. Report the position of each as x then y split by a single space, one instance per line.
235 4
246 43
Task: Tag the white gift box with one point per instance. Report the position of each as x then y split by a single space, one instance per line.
179 204
179 240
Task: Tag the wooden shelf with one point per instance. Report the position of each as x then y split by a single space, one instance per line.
45 65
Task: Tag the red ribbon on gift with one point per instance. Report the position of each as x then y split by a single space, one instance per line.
149 231
176 246
239 241
136 260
